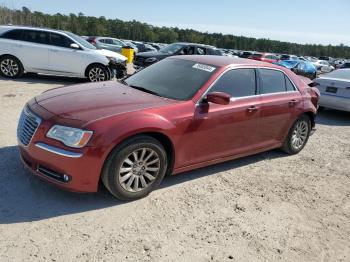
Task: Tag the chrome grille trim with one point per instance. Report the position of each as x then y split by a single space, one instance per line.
27 125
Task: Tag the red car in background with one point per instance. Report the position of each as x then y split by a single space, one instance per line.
264 57
179 114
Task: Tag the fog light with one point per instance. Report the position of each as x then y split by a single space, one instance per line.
65 178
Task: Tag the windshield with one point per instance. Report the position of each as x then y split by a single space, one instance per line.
81 41
172 78
291 63
171 49
340 74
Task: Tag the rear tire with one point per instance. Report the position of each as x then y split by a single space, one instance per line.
298 136
135 168
10 67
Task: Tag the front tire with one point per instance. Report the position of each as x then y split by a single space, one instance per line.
298 136
98 73
135 168
10 67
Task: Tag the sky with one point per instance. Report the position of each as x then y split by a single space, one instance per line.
299 21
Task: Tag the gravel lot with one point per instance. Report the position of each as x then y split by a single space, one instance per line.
268 207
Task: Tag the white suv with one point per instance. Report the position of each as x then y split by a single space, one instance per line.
54 52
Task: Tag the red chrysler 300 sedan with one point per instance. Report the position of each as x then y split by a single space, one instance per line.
179 114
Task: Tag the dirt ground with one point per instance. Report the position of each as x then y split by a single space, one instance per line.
267 207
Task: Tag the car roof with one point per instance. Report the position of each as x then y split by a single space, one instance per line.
223 61
4 28
195 44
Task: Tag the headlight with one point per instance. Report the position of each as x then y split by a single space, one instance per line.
113 59
72 137
151 60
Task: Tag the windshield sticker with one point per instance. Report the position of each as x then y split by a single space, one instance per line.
204 67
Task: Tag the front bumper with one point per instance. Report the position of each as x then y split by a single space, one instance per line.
74 171
119 69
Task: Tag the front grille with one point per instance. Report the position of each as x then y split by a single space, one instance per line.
27 125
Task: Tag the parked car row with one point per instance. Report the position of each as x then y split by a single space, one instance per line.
147 58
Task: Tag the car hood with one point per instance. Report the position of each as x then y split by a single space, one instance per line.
89 102
105 52
153 54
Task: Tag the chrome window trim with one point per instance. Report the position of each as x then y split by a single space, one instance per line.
276 69
256 95
58 151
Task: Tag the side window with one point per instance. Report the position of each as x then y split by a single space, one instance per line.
271 57
101 40
190 50
13 34
289 85
236 83
39 37
200 50
272 81
117 42
108 41
60 40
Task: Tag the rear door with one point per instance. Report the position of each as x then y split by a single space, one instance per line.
31 48
280 106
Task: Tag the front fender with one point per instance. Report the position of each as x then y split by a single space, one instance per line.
112 131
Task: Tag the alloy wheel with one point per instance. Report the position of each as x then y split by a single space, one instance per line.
9 67
97 74
139 169
299 135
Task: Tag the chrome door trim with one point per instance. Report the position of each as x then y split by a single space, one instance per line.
256 95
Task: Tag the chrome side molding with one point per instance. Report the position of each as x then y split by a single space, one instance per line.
58 151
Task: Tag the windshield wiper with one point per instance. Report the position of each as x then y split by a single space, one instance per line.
145 90
123 81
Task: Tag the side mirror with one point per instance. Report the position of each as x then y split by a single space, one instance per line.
218 98
74 46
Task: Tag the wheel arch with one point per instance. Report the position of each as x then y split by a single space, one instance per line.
92 64
3 55
312 117
162 138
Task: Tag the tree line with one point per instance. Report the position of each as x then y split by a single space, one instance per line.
135 30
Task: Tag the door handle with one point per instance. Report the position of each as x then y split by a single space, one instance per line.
293 102
53 50
252 109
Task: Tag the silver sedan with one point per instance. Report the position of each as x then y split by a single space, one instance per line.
335 89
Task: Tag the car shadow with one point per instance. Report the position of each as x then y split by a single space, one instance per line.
26 198
46 79
331 117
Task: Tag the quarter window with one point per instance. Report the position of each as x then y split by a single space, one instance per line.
236 83
289 85
13 34
272 81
